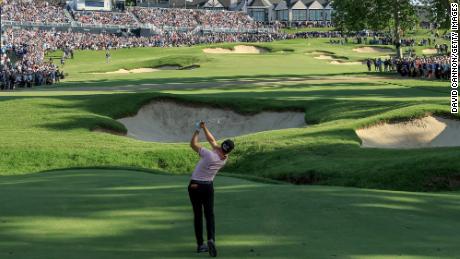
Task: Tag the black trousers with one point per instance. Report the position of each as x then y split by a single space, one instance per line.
202 198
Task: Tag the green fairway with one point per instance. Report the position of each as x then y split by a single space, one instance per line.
291 58
51 128
127 214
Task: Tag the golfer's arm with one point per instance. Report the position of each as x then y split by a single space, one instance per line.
194 142
210 138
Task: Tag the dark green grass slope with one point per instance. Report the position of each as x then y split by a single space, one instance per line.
46 130
127 214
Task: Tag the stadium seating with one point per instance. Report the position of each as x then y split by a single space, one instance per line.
33 11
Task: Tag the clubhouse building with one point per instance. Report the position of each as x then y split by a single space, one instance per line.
291 12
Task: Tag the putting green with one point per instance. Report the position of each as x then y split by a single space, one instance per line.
127 214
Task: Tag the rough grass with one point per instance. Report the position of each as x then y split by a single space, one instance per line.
127 214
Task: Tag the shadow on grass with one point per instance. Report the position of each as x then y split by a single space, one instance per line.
107 82
125 214
322 102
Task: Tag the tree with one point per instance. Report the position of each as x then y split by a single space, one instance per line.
349 14
439 11
397 15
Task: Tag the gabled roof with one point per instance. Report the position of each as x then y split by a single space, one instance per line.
315 5
260 3
226 3
213 4
281 6
298 5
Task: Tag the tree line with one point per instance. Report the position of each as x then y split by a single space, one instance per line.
396 16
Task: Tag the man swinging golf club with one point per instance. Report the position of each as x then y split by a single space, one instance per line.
201 190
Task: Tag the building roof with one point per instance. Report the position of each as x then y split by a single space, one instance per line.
297 5
213 4
314 4
260 3
281 6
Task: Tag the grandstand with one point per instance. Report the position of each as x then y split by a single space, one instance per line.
204 13
33 28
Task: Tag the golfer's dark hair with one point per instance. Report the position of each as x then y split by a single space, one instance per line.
227 146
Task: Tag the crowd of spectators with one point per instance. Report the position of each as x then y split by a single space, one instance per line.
100 17
29 67
23 73
185 18
224 19
41 11
191 18
436 67
40 42
23 62
319 34
308 24
425 67
33 11
442 49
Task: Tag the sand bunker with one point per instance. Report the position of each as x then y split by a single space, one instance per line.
140 70
338 62
166 121
319 52
324 57
239 49
372 50
420 133
430 51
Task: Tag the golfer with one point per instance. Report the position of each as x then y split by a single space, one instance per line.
201 190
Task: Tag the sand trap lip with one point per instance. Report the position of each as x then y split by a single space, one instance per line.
238 49
140 70
171 122
372 50
420 133
430 51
